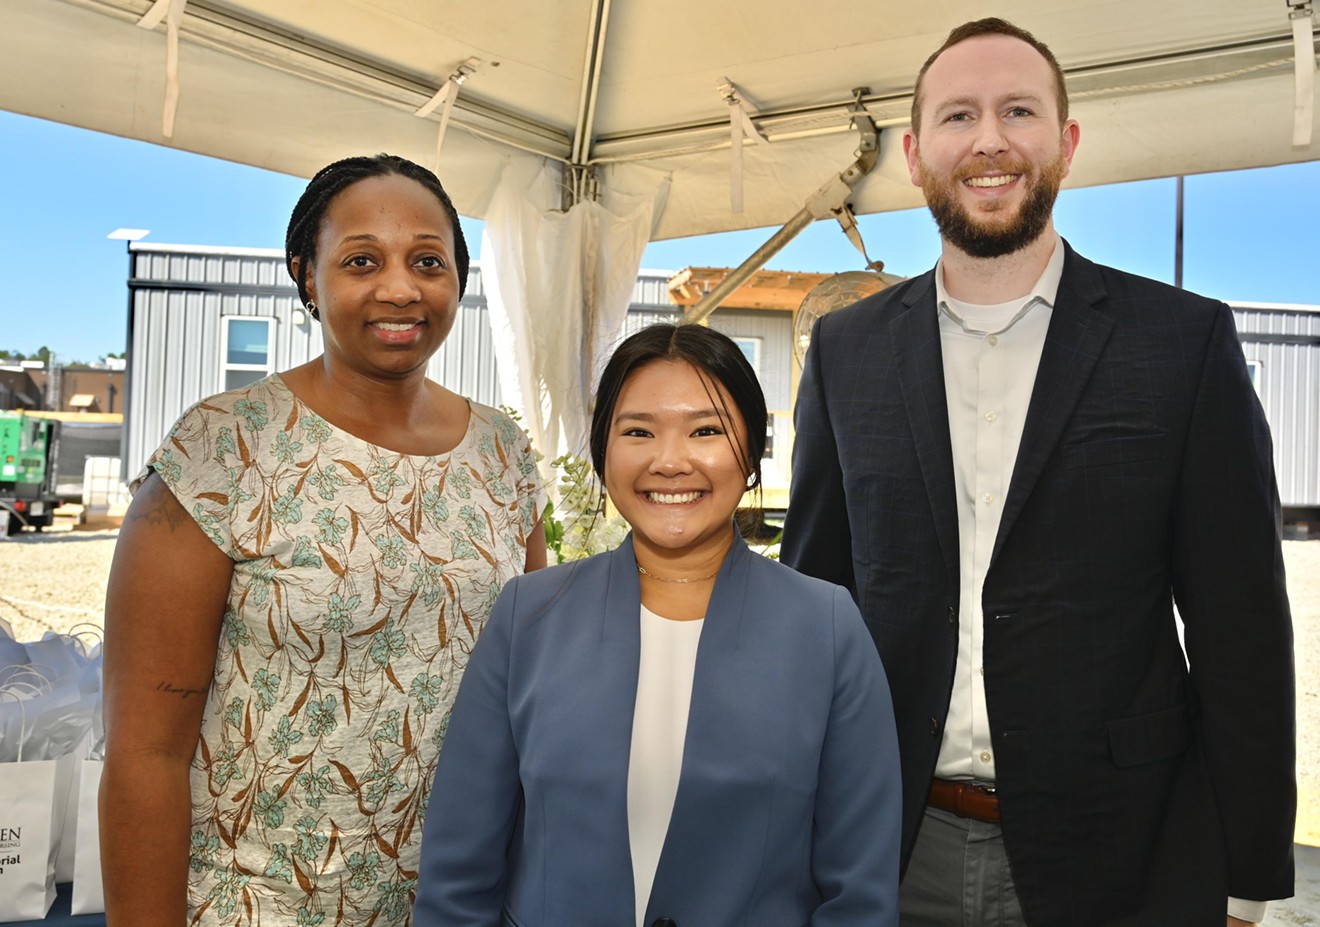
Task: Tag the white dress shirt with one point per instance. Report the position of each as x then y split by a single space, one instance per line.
990 358
660 720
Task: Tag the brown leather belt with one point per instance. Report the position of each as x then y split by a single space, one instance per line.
965 800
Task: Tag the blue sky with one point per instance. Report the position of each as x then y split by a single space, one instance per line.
1248 235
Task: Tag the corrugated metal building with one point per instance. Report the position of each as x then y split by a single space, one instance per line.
1282 347
202 320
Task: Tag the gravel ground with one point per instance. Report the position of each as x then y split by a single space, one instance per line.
53 581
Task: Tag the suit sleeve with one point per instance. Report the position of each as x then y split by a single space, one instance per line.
1228 580
476 794
817 539
858 815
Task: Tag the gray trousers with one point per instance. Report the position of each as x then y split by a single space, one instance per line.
958 876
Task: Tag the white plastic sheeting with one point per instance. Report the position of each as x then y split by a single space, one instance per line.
560 289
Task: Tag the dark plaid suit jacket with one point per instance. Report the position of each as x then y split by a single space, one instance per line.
1134 789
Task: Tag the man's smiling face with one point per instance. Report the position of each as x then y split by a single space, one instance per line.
990 152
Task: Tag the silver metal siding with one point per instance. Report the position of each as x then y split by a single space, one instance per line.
637 319
175 352
466 361
175 355
652 289
1289 388
475 288
774 328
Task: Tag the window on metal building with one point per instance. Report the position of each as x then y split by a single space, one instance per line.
246 350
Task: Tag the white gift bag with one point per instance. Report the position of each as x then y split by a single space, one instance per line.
52 707
27 823
88 896
27 857
66 807
85 658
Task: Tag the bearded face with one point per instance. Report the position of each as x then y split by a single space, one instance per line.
991 228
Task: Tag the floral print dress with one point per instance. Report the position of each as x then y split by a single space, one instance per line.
362 578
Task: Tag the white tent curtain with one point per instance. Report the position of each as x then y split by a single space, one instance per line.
558 285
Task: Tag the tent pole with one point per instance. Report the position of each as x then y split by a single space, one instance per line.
1178 237
579 159
743 272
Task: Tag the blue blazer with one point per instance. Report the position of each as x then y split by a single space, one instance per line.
788 805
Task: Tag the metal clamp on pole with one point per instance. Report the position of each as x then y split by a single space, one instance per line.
830 200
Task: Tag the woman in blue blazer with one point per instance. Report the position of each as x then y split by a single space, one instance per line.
678 733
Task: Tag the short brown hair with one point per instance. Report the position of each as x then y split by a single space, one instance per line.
992 25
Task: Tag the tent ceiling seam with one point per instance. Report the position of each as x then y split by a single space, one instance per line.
299 57
269 46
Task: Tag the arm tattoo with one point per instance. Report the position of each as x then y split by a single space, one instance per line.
160 508
170 688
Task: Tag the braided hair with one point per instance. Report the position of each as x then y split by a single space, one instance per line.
329 181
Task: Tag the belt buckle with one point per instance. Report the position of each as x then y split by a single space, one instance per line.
966 796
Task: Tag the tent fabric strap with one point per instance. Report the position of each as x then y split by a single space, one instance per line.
1303 17
444 99
740 127
171 11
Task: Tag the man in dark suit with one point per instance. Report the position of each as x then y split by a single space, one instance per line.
1018 463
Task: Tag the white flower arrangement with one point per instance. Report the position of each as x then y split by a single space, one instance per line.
581 524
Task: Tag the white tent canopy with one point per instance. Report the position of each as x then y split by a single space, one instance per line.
631 105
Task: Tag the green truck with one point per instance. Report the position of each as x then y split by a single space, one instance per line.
29 447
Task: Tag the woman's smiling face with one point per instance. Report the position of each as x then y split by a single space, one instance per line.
384 277
674 458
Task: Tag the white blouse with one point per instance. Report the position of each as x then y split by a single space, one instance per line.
660 718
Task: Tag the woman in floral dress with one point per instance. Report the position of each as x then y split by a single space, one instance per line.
302 574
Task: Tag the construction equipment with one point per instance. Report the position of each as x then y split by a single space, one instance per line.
29 447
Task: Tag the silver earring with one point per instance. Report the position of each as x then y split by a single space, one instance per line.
751 480
311 307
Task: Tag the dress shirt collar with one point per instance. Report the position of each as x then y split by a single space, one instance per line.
1046 288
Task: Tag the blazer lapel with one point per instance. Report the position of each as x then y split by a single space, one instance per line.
1073 344
915 335
614 677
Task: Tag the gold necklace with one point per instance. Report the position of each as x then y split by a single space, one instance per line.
661 579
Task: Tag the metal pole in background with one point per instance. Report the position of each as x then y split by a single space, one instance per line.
1178 238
